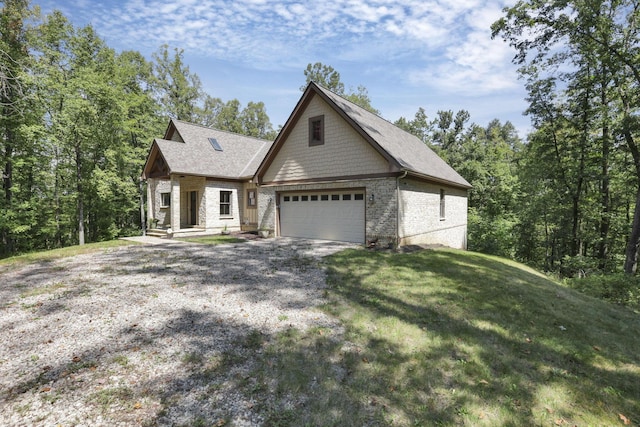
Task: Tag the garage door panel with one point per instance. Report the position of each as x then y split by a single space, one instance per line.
338 217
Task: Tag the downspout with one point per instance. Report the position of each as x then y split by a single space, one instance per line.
398 178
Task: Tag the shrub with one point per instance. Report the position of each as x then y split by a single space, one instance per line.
618 288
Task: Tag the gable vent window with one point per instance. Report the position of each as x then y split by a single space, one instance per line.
316 131
215 144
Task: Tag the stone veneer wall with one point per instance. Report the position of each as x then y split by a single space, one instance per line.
154 201
381 218
420 214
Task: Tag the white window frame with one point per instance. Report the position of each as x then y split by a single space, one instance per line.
226 204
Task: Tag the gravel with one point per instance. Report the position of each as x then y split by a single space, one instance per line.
151 334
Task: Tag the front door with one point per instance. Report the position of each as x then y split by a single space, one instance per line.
193 208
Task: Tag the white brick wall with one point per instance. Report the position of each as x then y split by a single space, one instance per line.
214 221
420 214
419 210
343 153
380 214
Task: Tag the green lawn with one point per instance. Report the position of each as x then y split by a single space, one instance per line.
69 251
452 338
215 239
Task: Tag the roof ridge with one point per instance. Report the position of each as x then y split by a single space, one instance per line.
363 109
221 130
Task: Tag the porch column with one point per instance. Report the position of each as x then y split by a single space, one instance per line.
175 203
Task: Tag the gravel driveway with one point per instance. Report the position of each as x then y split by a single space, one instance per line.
138 335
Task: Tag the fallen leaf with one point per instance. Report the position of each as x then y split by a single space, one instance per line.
549 410
596 348
137 405
528 340
626 421
220 423
365 360
485 382
76 359
559 421
45 389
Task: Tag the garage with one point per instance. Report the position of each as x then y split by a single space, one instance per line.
333 215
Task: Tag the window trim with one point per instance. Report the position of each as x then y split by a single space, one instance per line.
226 204
253 205
312 140
442 205
162 200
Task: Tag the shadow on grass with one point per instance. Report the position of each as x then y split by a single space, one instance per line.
453 337
431 338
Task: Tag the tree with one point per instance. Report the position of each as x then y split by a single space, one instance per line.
177 89
16 119
327 77
592 48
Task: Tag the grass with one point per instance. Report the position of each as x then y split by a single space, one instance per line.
212 240
454 338
54 254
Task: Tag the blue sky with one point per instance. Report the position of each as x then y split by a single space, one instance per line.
435 54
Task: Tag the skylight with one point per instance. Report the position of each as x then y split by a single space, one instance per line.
214 143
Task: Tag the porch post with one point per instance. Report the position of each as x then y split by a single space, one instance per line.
175 203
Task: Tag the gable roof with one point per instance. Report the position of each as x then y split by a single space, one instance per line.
187 150
404 150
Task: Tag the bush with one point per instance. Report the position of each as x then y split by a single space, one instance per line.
618 288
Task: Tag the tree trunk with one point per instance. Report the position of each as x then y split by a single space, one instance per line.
7 184
80 196
605 197
631 254
143 217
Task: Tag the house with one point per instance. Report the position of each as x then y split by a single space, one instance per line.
337 171
200 179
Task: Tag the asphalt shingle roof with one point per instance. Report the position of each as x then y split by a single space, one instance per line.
239 158
408 150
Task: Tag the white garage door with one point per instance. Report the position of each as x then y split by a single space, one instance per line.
336 215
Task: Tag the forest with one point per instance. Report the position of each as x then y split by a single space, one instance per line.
78 117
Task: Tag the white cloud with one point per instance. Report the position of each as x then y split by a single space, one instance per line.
435 43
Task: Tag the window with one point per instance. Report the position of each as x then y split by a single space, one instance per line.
316 131
165 200
225 203
442 210
294 198
286 198
346 197
215 144
335 197
251 199
314 198
324 197
358 197
304 198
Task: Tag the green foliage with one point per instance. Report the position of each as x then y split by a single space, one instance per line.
619 288
327 77
75 124
579 60
491 235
